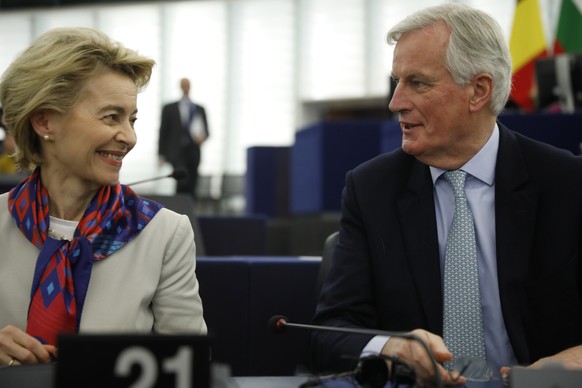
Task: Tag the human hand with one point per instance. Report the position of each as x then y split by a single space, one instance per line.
414 354
17 347
199 139
569 359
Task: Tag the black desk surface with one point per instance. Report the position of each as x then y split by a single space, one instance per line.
41 376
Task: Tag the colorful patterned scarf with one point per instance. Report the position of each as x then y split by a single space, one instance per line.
63 268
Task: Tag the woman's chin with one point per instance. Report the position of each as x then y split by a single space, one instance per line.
109 180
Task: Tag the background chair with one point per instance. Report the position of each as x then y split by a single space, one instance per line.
326 261
207 197
232 194
8 181
233 235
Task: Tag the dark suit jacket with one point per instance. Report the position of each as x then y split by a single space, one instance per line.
386 272
171 130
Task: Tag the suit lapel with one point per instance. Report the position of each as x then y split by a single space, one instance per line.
515 206
417 217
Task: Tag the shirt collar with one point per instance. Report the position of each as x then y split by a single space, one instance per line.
482 165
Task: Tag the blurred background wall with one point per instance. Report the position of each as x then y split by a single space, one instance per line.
262 68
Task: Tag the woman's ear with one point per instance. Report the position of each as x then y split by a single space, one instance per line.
482 89
40 123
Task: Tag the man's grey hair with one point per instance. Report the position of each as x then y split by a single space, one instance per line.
477 45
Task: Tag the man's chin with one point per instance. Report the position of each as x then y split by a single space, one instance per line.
409 148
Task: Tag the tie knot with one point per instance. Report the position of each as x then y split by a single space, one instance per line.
456 178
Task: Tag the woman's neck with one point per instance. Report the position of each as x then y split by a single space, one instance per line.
66 208
68 199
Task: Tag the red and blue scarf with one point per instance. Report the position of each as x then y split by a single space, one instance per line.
63 269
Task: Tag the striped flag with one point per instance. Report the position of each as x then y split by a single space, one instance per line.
569 32
526 44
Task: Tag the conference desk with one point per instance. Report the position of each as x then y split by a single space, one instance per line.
42 376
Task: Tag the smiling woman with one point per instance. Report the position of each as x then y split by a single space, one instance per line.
73 238
86 145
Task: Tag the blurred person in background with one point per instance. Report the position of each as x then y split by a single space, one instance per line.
183 129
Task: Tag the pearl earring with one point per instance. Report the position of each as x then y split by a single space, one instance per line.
46 137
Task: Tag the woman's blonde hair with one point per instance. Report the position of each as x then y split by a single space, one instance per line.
50 75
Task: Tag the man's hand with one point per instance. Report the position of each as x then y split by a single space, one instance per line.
414 354
17 347
570 359
199 139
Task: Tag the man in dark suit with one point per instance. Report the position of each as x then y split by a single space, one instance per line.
183 129
453 72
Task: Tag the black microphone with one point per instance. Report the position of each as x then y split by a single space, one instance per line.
177 174
401 371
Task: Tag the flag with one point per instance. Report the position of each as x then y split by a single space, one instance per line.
569 32
526 44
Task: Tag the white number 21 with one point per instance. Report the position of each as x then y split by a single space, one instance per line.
180 365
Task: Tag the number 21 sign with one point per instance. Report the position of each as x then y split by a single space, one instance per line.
133 361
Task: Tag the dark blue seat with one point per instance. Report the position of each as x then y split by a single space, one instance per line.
321 156
225 293
233 235
563 130
267 181
240 294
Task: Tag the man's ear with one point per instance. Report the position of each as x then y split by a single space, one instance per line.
482 89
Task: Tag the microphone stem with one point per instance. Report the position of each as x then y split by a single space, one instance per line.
149 180
350 330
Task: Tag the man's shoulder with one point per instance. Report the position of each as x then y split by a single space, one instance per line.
198 106
171 104
392 168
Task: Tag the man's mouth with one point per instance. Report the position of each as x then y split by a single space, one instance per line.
408 125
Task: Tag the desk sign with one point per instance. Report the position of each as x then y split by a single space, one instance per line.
133 361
